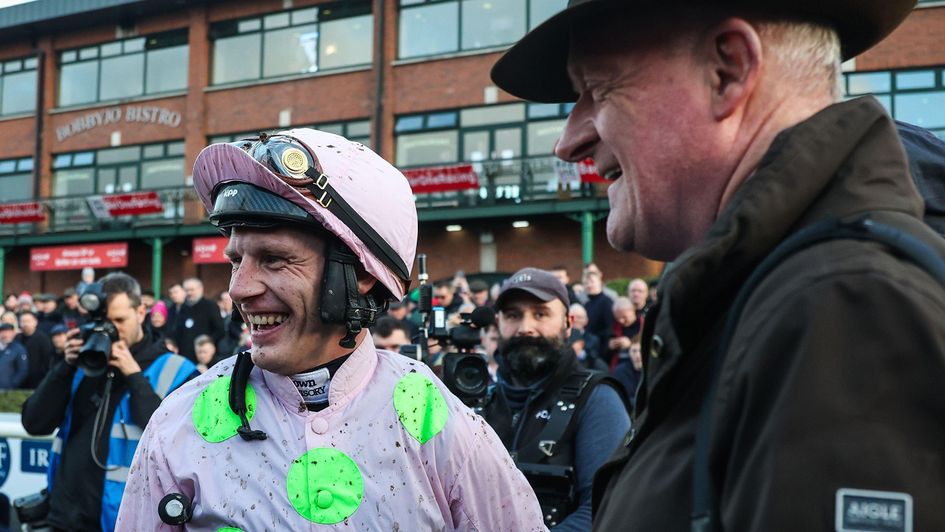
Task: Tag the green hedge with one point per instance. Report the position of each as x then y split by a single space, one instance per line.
12 400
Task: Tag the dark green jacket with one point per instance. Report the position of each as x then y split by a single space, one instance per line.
836 374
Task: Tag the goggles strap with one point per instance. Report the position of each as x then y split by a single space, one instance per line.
340 208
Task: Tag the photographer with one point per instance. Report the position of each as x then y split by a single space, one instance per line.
100 418
555 419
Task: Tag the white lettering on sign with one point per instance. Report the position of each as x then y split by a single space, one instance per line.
39 457
134 114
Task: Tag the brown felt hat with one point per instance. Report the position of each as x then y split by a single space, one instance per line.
536 67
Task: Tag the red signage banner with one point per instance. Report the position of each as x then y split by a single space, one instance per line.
588 172
55 258
15 213
442 178
126 204
209 250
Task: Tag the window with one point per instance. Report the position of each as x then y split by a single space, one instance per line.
916 96
116 170
354 130
123 69
16 179
293 42
431 27
475 134
18 86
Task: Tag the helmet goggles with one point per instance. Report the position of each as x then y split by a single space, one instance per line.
298 167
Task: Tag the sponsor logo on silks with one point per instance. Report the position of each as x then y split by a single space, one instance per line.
873 511
313 386
543 414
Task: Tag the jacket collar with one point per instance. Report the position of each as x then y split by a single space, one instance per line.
346 383
845 160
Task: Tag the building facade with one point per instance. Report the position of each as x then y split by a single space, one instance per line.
106 103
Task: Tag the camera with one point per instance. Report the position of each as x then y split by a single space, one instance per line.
465 372
97 335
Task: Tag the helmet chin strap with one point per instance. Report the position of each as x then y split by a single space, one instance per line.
342 302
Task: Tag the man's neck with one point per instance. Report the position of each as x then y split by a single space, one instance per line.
760 127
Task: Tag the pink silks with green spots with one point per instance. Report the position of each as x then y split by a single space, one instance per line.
394 450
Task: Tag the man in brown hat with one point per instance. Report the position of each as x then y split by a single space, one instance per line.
819 405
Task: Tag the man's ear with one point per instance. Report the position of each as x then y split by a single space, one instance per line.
142 313
366 281
734 57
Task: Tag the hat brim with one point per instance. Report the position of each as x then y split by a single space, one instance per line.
535 68
543 295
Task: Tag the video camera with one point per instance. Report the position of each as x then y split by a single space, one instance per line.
98 334
465 372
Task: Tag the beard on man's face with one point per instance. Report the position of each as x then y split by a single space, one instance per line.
532 358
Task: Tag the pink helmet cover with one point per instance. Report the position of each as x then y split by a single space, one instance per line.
372 187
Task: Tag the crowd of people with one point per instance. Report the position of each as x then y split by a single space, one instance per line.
34 328
605 325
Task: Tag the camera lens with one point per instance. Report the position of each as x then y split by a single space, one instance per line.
467 376
93 357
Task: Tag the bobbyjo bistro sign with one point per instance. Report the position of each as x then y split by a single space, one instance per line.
137 114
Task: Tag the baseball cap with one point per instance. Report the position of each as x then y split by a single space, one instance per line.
58 329
537 282
7 326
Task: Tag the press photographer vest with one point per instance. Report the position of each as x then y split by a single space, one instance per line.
541 436
165 374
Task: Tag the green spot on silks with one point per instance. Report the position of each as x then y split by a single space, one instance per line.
229 529
212 417
420 406
325 486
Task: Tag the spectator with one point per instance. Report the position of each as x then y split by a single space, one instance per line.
608 291
147 299
176 297
390 333
599 307
158 319
72 313
38 347
232 328
100 418
26 303
88 277
445 296
197 316
399 310
14 361
489 343
479 293
46 313
205 351
10 317
225 303
537 373
10 303
626 331
58 336
577 342
561 272
578 317
639 294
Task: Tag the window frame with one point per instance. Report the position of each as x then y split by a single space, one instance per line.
155 41
403 6
230 28
562 112
92 162
938 86
24 67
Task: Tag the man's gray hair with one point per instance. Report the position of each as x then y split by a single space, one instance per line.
806 52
